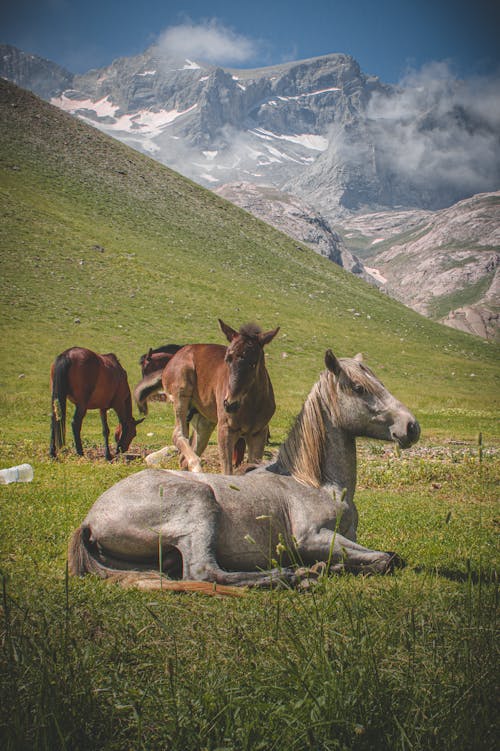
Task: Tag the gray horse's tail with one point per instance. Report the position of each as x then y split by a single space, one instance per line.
83 559
150 384
61 367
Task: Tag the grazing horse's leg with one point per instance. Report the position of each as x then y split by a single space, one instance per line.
226 439
105 432
76 425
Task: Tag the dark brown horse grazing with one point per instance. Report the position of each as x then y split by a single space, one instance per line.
228 387
156 359
90 381
152 364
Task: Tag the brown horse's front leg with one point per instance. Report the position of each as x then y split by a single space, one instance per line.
188 459
256 444
226 439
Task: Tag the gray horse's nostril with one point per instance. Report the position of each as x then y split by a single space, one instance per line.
413 431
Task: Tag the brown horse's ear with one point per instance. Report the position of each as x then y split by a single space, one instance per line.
138 422
228 331
148 356
332 363
359 357
267 336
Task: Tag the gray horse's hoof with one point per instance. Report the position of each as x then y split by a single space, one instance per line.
395 561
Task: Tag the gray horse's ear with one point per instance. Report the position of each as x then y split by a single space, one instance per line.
359 357
332 363
228 331
267 336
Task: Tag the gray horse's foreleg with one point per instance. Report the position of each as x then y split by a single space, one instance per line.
197 514
342 553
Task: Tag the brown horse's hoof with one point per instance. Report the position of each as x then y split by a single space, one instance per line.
243 469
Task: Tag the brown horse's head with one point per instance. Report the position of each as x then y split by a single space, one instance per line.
245 360
125 434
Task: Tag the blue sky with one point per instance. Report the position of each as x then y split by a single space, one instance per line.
387 37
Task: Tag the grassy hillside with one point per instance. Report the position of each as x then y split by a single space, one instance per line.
105 248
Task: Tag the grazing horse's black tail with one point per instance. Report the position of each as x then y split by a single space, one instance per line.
59 395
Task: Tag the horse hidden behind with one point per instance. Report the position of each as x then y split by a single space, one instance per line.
152 364
90 381
224 530
209 385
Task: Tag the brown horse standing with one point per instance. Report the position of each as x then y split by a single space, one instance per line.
228 387
90 381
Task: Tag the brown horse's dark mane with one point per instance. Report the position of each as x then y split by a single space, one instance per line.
250 330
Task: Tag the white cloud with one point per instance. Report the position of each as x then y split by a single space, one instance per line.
208 42
439 131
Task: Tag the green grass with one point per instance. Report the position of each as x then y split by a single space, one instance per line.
402 662
467 296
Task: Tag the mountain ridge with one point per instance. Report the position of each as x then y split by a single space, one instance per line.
317 129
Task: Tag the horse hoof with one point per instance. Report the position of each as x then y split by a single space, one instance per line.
395 561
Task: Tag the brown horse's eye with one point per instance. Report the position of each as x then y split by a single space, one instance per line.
358 388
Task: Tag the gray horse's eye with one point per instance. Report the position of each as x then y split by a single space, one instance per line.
358 388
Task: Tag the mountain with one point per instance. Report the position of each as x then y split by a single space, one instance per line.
319 128
106 248
339 143
444 264
33 72
217 125
296 219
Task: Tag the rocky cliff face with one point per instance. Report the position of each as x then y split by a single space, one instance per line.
320 128
32 72
296 219
444 264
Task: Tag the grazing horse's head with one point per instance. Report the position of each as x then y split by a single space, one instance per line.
125 434
245 360
365 407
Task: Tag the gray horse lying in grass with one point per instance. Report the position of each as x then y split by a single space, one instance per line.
161 529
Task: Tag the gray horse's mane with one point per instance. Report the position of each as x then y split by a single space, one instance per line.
302 452
301 455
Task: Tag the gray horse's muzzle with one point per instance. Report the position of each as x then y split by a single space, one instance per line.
410 437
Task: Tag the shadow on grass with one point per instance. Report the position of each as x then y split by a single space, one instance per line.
476 577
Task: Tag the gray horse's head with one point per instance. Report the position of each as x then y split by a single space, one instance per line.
365 407
245 361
